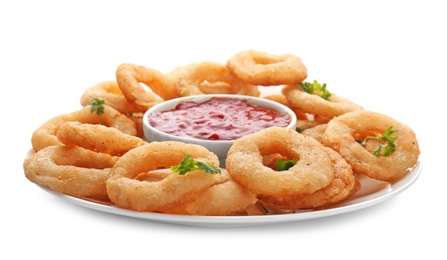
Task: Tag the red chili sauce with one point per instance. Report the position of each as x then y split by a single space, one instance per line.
217 119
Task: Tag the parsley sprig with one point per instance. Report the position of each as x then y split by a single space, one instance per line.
97 105
386 142
316 89
283 164
188 164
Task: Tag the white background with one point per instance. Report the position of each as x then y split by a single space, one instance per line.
389 56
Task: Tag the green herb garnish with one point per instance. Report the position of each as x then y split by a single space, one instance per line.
283 164
188 164
316 89
386 142
97 105
299 130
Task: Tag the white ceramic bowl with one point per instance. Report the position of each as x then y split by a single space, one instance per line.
219 147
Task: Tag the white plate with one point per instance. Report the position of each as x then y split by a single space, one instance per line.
371 193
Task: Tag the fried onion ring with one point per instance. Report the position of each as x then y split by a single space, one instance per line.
260 68
129 76
315 132
316 105
304 120
165 191
138 120
209 77
279 98
342 187
225 198
98 138
45 135
343 132
112 95
70 170
312 171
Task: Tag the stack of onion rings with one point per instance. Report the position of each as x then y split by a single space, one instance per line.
173 190
104 156
45 135
341 187
98 138
81 162
313 171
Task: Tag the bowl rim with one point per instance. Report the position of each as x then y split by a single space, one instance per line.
172 103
